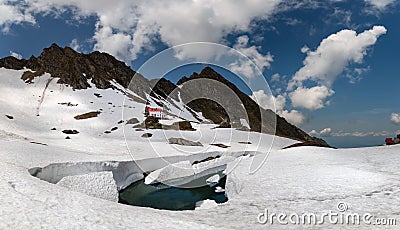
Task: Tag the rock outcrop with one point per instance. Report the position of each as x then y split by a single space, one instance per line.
181 141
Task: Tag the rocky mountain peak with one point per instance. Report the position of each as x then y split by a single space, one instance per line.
213 111
74 68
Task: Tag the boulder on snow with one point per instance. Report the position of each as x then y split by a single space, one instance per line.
182 125
87 115
147 135
245 142
206 159
152 123
132 121
10 117
182 141
221 145
69 131
98 184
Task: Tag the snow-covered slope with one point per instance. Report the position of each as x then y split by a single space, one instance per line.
44 105
305 179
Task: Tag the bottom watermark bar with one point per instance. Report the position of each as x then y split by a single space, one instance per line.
341 216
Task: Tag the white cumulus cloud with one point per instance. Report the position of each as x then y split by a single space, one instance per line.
243 65
323 133
334 54
295 117
362 134
310 98
324 65
395 118
75 44
12 14
269 101
277 104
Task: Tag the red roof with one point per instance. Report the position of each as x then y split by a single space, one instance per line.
149 109
389 140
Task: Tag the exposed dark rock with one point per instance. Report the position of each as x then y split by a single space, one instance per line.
98 95
120 122
73 68
181 125
87 115
221 146
68 138
12 63
162 87
29 76
138 130
113 129
10 117
107 132
181 141
205 160
53 129
69 131
147 135
213 111
132 121
224 124
69 104
317 143
38 143
152 123
245 142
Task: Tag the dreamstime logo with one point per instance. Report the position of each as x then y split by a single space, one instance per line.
341 216
174 102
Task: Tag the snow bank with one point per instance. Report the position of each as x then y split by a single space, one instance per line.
124 173
187 174
127 172
99 184
170 172
206 204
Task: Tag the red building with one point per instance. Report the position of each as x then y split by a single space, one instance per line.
389 141
154 112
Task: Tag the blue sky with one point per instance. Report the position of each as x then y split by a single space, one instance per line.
331 65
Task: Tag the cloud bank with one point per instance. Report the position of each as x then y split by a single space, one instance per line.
126 28
328 132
